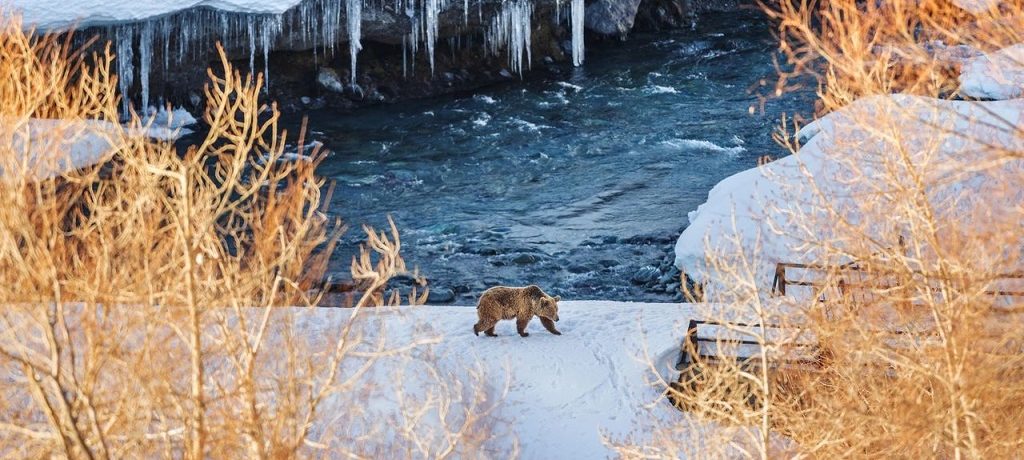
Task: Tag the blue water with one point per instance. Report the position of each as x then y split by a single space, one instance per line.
573 180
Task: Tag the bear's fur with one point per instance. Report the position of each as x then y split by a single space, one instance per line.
521 304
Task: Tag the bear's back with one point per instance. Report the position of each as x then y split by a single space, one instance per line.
506 302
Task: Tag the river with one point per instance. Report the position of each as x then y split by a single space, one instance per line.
578 180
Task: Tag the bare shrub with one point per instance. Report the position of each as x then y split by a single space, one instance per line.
142 299
912 315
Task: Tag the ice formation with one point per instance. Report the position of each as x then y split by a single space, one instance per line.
510 29
354 13
577 14
152 36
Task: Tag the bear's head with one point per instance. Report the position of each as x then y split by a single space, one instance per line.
549 307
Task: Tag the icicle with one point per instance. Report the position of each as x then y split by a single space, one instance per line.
354 13
145 61
577 14
251 28
125 69
558 12
430 8
465 12
510 29
271 28
165 35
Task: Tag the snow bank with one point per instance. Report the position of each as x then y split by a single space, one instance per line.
998 75
762 212
565 390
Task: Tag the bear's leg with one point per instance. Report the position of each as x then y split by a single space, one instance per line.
486 326
550 326
521 326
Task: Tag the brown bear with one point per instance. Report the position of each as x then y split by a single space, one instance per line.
501 302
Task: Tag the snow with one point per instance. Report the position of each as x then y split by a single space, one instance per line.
173 119
977 6
761 212
59 14
566 391
566 395
998 75
37 147
42 149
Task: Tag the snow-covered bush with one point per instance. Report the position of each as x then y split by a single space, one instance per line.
898 336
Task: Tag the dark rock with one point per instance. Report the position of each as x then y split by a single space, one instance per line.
608 263
525 259
611 17
645 275
484 251
440 295
579 269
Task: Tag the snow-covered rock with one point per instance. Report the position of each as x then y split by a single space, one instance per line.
172 119
977 6
42 149
998 75
762 212
328 79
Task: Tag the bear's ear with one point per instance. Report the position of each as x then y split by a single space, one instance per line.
557 298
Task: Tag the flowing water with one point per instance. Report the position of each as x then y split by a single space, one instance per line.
575 181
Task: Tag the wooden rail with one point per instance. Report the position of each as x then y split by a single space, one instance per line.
781 281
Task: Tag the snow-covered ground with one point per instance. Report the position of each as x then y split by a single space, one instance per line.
566 395
763 212
568 390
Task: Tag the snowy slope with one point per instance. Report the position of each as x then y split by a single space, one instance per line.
565 390
759 212
56 14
